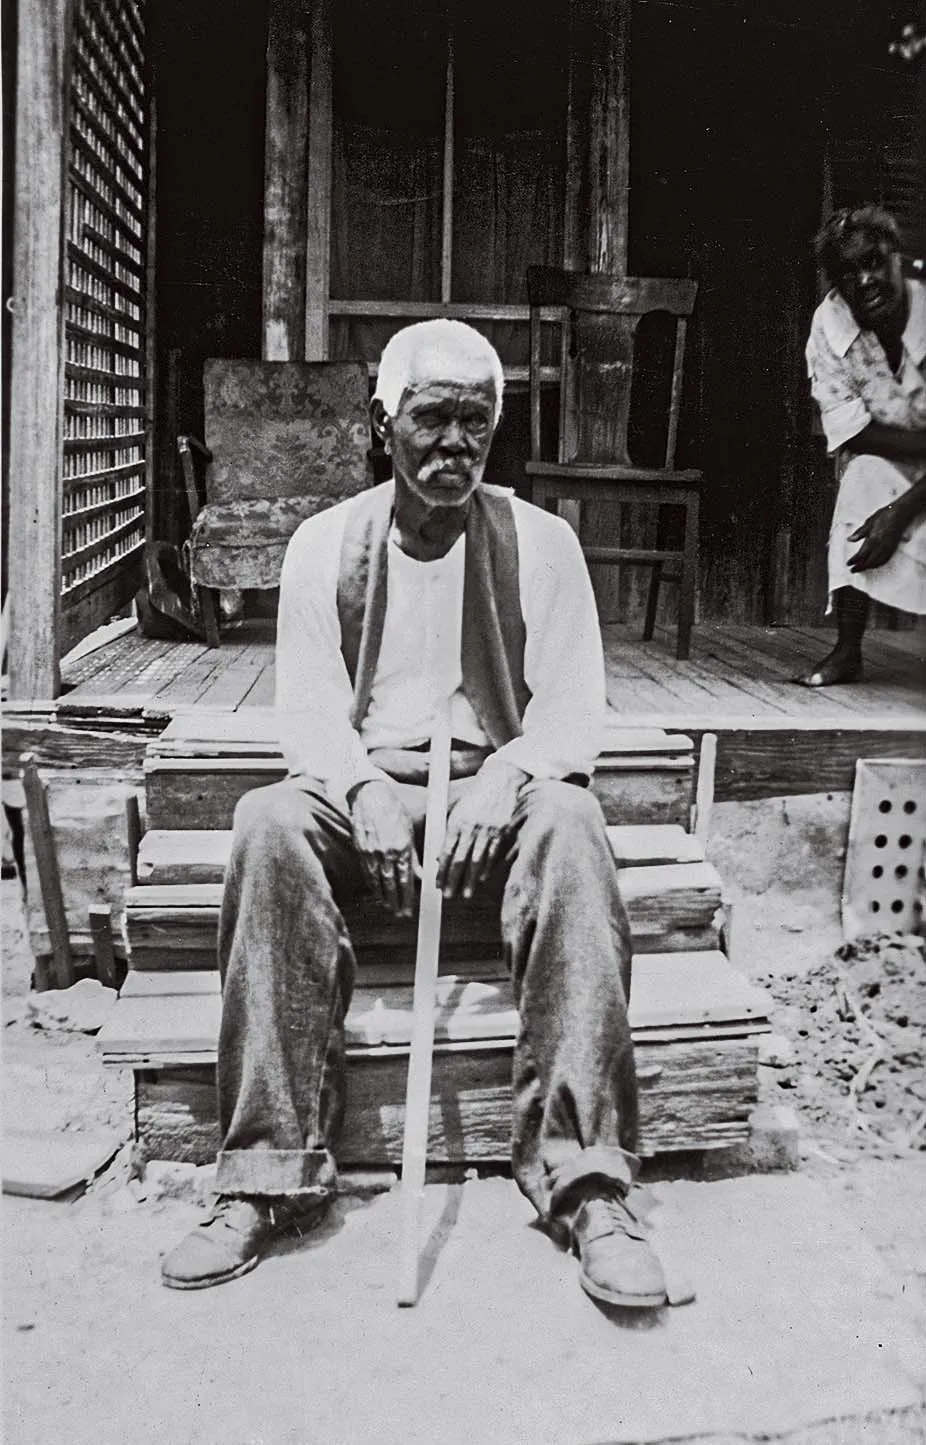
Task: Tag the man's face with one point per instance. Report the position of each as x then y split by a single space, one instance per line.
441 436
870 278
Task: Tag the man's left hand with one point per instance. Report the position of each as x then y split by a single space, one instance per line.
476 828
879 535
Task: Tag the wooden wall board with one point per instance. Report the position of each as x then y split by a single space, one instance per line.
87 810
286 142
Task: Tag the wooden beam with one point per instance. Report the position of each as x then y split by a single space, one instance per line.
609 138
608 226
37 354
285 180
318 200
446 249
46 858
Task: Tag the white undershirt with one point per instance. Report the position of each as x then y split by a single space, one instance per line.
419 660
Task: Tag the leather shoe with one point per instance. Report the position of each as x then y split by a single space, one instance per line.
616 1263
231 1240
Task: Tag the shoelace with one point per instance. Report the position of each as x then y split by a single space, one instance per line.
619 1213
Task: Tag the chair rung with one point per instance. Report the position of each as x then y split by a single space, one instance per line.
634 555
604 472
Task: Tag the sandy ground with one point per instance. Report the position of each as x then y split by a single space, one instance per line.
80 1275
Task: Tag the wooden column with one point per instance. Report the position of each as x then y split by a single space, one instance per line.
608 50
285 161
609 137
318 200
36 389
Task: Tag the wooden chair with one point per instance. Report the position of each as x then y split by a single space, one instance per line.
599 316
283 440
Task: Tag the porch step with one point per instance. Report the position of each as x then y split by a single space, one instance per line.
182 855
695 1024
671 907
642 776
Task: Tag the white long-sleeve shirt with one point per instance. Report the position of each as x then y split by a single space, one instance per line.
419 665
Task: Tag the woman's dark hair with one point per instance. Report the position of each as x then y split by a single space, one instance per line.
869 219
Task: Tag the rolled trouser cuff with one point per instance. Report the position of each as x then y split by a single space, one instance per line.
275 1171
600 1166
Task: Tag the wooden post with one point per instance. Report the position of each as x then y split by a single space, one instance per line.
608 225
318 200
46 862
285 161
609 138
36 391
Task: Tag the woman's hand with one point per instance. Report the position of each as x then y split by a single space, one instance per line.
880 536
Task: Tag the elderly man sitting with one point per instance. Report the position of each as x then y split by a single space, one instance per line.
430 591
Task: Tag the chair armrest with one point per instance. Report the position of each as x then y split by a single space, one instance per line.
187 446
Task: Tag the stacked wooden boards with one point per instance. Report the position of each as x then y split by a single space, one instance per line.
695 1020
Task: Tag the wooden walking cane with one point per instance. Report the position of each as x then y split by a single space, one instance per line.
418 1091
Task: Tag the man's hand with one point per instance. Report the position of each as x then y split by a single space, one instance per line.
476 828
880 535
384 837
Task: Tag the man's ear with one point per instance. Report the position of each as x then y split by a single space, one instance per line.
382 422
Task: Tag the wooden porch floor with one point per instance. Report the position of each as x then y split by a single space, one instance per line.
737 677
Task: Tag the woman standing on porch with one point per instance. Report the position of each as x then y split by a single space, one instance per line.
866 357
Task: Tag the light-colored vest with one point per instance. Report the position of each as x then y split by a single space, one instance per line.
493 634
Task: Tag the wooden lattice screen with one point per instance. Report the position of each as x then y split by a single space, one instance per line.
103 462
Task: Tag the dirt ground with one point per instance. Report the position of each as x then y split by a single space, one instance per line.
849 1054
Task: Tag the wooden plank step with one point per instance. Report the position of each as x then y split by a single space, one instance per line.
670 907
254 731
697 1080
671 994
172 856
202 792
694 1094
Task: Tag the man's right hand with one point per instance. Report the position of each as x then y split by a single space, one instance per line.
384 838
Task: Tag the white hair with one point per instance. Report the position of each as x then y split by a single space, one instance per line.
466 351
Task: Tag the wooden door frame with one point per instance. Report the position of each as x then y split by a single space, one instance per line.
37 370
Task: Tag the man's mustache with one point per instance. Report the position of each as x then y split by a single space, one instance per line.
444 465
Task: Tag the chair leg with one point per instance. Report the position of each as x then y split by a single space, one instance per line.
652 601
207 608
689 578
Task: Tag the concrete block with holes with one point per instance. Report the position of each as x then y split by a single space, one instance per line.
883 885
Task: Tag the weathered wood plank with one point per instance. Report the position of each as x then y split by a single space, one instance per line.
695 1096
204 791
669 907
286 144
60 745
172 856
42 81
318 221
49 874
87 810
668 991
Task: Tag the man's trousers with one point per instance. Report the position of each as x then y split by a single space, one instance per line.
287 970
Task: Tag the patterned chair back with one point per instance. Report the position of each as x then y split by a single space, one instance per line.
286 429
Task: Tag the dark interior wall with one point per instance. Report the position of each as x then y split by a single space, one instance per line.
209 64
734 110
740 117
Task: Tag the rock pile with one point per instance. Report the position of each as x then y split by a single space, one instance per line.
856 1023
